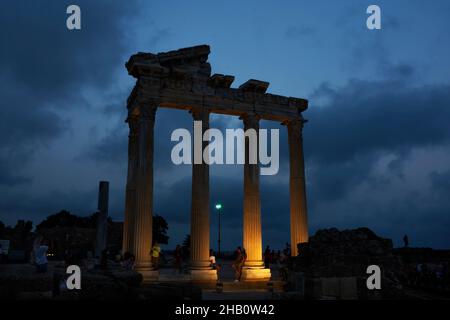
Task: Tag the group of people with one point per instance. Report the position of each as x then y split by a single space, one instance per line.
270 257
276 257
179 255
41 247
129 259
428 276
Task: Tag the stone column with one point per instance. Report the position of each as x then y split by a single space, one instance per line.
252 239
200 265
142 226
299 220
130 195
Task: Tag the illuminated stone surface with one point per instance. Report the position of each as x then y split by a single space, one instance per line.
297 185
203 275
255 274
252 211
200 264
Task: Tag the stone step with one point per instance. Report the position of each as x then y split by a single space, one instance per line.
230 286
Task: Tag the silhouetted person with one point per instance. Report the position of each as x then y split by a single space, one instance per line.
406 240
1 253
267 257
237 264
244 254
287 249
127 262
178 258
104 259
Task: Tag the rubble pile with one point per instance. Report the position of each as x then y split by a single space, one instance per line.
331 253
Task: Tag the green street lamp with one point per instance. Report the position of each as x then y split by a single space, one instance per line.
219 208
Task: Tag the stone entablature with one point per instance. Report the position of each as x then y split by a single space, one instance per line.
182 79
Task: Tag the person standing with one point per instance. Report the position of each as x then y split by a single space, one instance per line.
237 264
267 257
406 240
178 259
156 253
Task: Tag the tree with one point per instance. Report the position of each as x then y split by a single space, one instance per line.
160 228
67 220
23 228
61 219
187 242
186 246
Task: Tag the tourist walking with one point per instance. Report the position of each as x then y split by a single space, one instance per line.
237 264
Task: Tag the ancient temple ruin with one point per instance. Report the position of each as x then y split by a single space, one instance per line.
182 79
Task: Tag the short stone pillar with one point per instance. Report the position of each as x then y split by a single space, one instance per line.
297 185
102 218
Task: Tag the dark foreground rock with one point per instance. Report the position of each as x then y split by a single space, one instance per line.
335 262
21 282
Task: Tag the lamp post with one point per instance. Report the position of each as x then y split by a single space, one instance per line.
218 207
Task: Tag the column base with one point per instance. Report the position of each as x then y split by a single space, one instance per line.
200 265
254 264
147 271
203 275
255 274
148 275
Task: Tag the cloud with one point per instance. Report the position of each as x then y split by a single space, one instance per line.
441 182
366 117
45 68
376 147
299 31
363 147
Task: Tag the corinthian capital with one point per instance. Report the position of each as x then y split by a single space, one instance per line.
295 126
251 120
133 124
148 111
200 114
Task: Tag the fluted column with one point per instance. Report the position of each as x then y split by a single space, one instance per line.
200 198
299 220
130 194
252 239
144 192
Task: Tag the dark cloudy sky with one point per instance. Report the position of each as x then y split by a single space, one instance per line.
376 144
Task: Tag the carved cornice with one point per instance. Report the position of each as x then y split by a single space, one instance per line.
182 79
